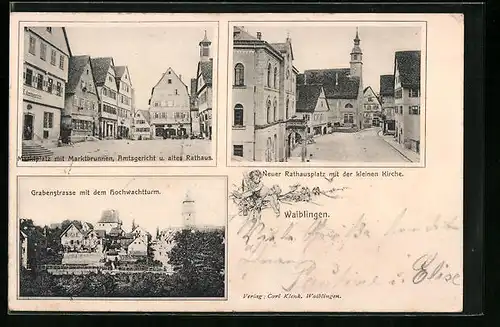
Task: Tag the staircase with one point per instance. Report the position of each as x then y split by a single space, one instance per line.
31 151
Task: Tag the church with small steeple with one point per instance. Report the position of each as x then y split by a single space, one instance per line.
343 88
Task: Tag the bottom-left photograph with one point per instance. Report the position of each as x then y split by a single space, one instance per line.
122 237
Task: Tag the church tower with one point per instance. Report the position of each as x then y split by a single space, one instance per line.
205 48
356 58
188 211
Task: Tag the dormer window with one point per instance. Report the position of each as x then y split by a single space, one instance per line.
49 29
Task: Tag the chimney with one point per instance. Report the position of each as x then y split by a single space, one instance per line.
259 35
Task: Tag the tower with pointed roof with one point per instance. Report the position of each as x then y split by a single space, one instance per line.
356 57
188 210
205 48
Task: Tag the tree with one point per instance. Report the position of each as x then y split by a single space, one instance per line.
198 258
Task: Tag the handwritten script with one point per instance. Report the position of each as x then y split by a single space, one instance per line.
314 255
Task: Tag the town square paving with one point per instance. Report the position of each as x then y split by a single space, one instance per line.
135 148
362 146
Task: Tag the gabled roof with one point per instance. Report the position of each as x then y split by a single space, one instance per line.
408 63
369 88
205 69
76 67
76 224
146 115
307 97
163 76
109 216
337 82
119 71
100 67
386 85
115 231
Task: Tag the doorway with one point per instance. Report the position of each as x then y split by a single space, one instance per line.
28 127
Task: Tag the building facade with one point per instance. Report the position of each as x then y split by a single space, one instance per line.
386 97
312 106
169 107
407 98
110 220
141 128
80 120
263 95
124 102
204 92
104 75
372 109
193 102
45 74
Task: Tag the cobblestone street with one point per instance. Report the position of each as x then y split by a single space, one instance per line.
362 146
126 148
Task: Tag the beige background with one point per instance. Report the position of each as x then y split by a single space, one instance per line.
426 193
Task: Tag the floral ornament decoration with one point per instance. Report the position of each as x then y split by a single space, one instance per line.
252 196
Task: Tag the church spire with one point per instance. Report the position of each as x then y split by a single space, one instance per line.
205 48
356 39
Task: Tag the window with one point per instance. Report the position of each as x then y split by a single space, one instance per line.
75 101
398 94
59 89
414 110
39 82
43 51
48 119
53 57
348 118
275 77
269 112
269 75
238 115
348 106
286 108
176 92
61 62
49 29
104 91
32 47
370 99
50 85
239 75
28 80
110 78
169 81
414 93
287 74
238 150
275 109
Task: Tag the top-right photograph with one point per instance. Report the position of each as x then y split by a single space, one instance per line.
328 95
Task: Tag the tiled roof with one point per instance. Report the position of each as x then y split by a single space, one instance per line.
78 224
115 231
146 115
307 97
281 47
100 232
387 85
239 33
109 216
408 63
100 67
76 67
119 71
206 71
337 83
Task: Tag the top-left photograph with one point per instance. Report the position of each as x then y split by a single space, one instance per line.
106 93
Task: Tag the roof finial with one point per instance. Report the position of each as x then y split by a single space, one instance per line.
357 36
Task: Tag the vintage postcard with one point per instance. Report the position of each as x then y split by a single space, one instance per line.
102 93
327 178
328 93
